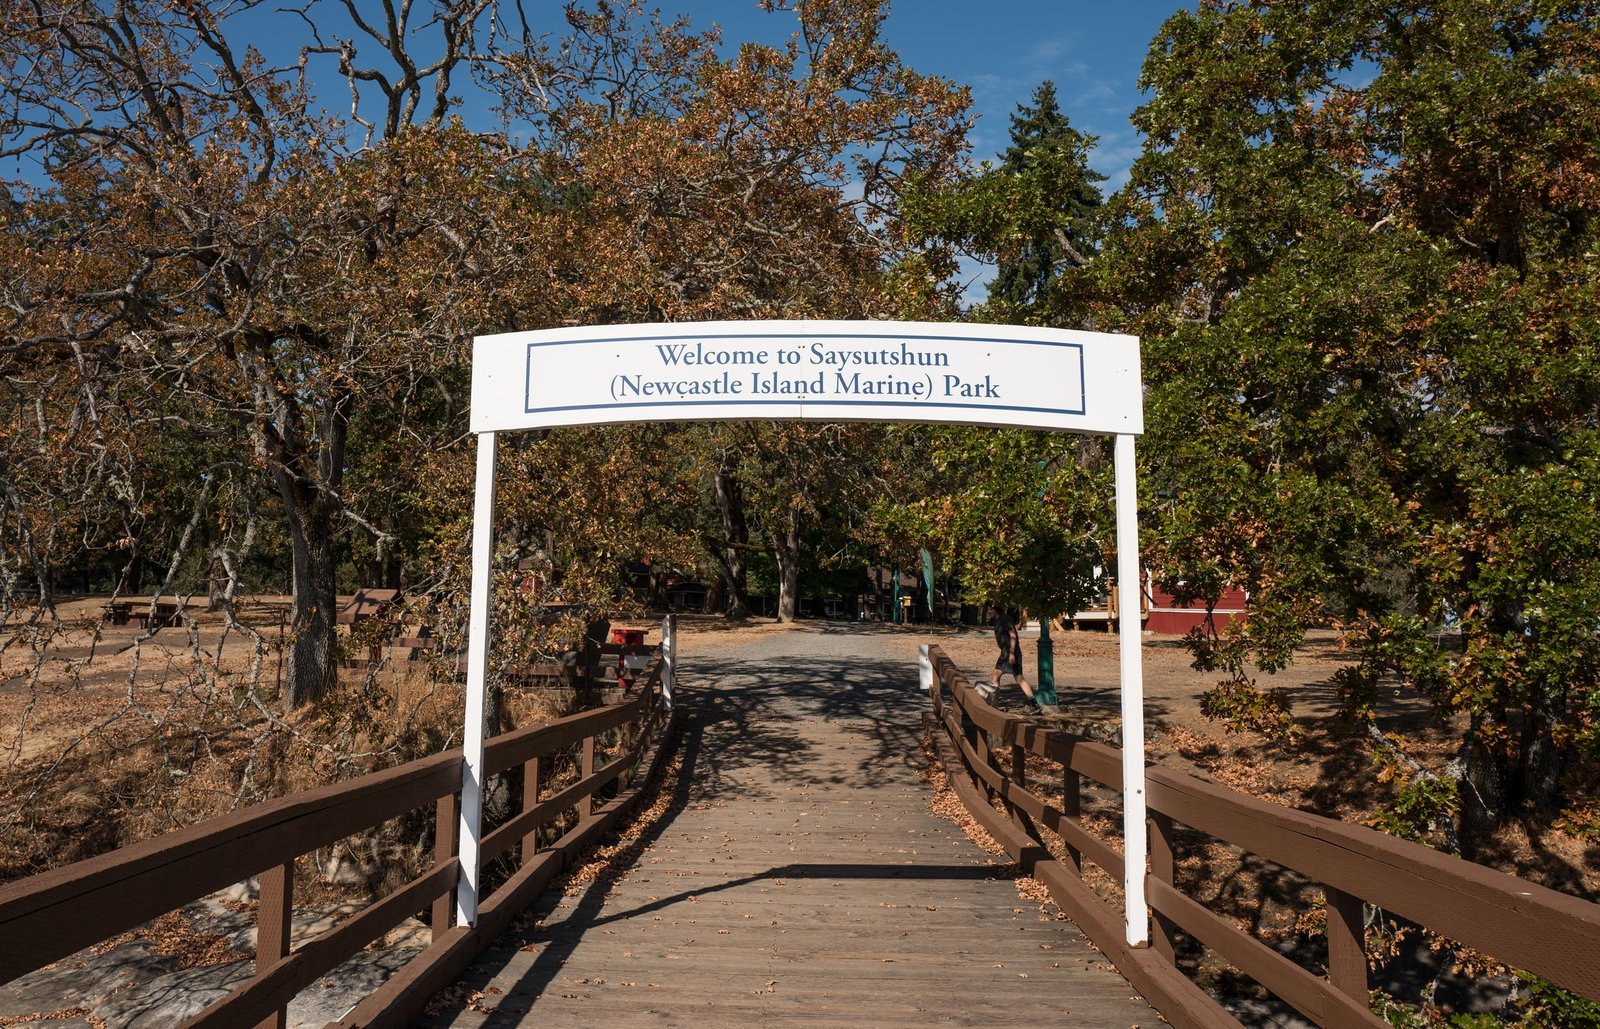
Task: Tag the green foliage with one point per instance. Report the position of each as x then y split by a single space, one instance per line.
1548 1006
1361 250
1584 824
1405 1016
1540 1004
1022 518
1035 214
1424 805
1242 706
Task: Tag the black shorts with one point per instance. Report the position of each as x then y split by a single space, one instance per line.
1009 663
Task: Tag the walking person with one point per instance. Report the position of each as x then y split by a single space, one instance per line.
1010 659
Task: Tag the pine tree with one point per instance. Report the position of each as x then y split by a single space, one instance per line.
1048 161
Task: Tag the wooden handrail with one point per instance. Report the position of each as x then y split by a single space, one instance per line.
56 913
47 916
272 991
1552 933
1517 922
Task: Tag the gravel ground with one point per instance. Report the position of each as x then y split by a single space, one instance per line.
1086 663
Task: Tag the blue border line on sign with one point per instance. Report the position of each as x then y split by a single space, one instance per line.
527 387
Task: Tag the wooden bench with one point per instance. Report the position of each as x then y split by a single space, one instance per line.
118 613
367 603
414 647
167 614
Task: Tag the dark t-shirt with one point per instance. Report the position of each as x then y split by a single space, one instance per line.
1003 628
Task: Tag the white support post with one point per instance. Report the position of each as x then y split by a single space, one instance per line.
924 669
669 657
1130 635
477 683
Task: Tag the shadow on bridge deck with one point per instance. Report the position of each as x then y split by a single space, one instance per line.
798 876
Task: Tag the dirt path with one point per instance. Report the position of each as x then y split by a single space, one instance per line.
1086 663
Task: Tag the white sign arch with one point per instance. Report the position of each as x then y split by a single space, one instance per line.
989 375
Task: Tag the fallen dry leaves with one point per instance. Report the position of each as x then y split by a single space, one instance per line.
947 805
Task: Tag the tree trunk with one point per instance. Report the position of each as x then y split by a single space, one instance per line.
313 668
216 583
786 548
730 511
309 473
132 572
1483 790
1544 761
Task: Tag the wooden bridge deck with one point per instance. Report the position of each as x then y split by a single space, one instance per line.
800 878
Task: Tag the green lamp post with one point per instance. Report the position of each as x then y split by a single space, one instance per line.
1045 691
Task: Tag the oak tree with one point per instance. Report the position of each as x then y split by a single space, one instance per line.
1360 247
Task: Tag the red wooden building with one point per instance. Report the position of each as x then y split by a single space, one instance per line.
1167 616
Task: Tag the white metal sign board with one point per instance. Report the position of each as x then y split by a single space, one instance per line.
997 375
965 374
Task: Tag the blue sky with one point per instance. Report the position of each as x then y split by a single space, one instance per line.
1003 49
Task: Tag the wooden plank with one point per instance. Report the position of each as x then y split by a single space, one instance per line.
274 911
1347 943
1072 812
532 775
367 603
1164 867
446 835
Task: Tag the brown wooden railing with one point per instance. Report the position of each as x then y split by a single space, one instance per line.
49 916
985 751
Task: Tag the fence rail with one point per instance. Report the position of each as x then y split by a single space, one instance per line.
1516 922
54 914
984 751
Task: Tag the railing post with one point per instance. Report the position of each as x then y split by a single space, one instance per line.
585 770
669 657
626 752
980 743
447 822
1019 776
1164 868
1347 943
530 800
1072 807
273 911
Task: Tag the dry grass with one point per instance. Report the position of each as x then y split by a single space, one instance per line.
112 735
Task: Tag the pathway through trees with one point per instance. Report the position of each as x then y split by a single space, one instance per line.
801 877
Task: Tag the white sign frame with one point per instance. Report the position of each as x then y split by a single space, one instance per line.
832 371
933 372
